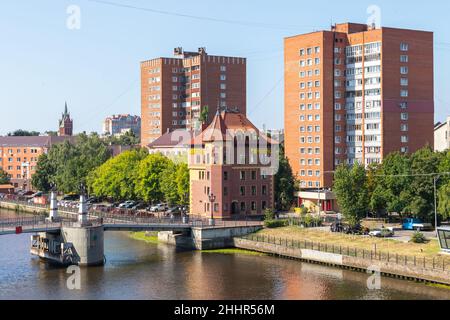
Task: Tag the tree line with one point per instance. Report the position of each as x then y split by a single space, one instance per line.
402 184
134 174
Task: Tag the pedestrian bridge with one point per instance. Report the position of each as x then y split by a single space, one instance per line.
114 223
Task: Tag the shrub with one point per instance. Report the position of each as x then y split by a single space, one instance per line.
269 215
418 237
272 224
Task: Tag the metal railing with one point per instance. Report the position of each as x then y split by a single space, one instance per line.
438 263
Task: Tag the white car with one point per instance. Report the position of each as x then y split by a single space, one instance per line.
382 233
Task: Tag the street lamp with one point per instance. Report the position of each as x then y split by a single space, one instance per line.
212 198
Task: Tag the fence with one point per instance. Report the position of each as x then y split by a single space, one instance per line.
434 264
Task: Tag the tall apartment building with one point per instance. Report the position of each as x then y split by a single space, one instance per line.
119 124
355 93
174 90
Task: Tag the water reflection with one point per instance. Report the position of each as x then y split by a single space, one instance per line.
136 270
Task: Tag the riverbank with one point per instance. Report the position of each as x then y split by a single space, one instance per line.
427 250
149 237
353 258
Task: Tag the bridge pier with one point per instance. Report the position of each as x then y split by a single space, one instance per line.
78 243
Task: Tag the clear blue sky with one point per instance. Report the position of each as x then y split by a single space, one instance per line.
96 68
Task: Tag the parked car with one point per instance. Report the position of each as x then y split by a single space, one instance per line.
127 204
416 224
337 227
382 233
71 197
158 208
138 206
174 211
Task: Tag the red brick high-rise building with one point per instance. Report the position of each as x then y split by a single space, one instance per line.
355 94
175 90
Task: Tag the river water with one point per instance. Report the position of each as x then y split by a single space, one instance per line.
137 270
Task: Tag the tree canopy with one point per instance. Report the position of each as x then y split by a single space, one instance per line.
350 186
284 183
23 133
4 178
68 164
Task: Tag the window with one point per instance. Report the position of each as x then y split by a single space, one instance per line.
404 93
223 86
317 61
253 206
404 139
225 175
404 46
403 58
337 106
404 116
302 52
223 77
223 68
242 191
404 70
404 127
253 190
242 175
253 175
404 81
309 51
317 50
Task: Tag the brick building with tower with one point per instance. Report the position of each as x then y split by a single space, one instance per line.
175 90
65 124
228 160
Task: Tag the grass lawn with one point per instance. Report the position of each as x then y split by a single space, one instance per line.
152 238
234 251
427 250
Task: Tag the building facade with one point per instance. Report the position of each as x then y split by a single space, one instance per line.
442 136
19 157
232 171
119 124
65 124
175 90
355 94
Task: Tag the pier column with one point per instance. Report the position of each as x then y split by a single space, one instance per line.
83 211
53 206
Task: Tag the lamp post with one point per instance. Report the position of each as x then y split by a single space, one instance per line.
212 198
184 209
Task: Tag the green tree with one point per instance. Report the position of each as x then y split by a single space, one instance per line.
420 192
149 176
392 183
168 183
23 133
284 183
68 164
351 190
4 178
444 189
204 114
117 177
129 138
182 179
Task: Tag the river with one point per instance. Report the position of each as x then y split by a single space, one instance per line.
137 270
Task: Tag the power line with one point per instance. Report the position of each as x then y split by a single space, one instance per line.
204 18
117 98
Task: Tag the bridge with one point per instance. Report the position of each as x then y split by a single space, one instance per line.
78 238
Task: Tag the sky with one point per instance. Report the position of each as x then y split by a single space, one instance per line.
45 59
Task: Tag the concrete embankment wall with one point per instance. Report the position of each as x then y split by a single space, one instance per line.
32 209
206 238
391 269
